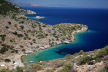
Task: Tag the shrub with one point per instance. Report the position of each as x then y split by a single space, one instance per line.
84 60
3 37
7 60
21 46
15 33
68 67
19 69
19 35
22 27
81 52
37 67
4 49
33 40
68 56
4 70
102 52
40 36
9 23
49 70
23 50
7 27
21 22
106 65
16 51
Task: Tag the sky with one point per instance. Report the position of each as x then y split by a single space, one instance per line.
64 3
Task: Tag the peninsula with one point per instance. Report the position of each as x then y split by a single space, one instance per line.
20 35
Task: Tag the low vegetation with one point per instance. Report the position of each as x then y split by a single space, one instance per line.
19 35
6 7
3 37
55 33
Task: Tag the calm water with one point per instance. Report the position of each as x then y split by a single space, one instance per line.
96 37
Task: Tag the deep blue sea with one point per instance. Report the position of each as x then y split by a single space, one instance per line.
95 38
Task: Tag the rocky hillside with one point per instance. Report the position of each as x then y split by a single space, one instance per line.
93 61
20 35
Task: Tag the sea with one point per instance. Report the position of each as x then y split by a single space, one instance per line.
95 38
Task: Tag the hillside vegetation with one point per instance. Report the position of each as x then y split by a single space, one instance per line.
6 7
20 36
82 61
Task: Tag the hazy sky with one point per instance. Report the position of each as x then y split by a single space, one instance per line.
65 3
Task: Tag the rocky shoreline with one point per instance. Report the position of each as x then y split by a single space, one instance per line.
40 37
21 36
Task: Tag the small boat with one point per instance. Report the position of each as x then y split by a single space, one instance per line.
31 61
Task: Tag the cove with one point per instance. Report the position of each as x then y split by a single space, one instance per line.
59 51
95 38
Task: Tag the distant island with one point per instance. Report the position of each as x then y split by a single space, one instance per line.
21 36
40 17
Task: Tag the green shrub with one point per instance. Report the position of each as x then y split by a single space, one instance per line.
40 36
11 40
3 37
81 52
68 67
84 60
4 49
5 70
19 35
19 69
68 56
49 70
6 7
22 27
21 46
37 67
7 27
23 50
102 52
9 23
7 60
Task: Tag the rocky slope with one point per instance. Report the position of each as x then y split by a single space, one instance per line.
20 35
93 61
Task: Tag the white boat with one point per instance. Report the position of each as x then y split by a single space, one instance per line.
31 61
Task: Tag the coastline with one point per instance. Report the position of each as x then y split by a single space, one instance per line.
55 46
47 45
28 36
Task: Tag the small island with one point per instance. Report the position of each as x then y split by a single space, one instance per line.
40 17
